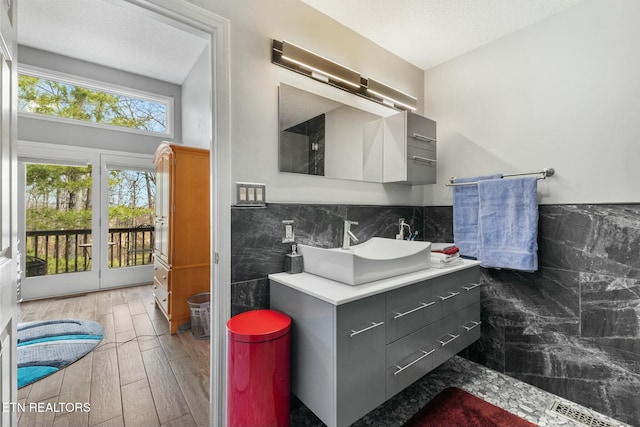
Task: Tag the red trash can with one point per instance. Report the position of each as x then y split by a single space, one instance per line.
258 384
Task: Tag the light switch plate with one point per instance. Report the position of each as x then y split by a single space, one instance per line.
250 194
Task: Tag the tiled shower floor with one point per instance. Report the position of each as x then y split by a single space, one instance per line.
522 399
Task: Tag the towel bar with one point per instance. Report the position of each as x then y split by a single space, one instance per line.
546 172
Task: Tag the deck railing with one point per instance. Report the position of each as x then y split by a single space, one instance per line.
66 251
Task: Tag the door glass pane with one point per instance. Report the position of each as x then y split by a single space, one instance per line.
131 204
58 219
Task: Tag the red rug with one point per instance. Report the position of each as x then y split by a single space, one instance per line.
454 407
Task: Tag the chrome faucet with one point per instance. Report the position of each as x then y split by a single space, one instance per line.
348 236
401 226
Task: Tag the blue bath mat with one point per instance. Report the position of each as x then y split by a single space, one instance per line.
46 347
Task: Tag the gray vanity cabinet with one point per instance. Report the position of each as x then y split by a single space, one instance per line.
409 149
337 353
360 357
348 358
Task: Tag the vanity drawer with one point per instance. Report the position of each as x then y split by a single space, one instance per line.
470 286
469 319
448 340
421 158
421 171
422 149
409 358
408 309
447 293
421 127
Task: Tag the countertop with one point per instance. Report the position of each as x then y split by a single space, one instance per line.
338 293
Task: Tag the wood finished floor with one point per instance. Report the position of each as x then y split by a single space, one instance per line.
139 375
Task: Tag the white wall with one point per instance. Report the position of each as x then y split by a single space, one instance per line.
37 130
563 93
196 104
254 95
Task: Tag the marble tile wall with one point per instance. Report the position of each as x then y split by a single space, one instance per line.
256 239
573 327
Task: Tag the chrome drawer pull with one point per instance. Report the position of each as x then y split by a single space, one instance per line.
451 295
402 368
424 159
422 305
468 288
475 324
453 338
424 138
373 325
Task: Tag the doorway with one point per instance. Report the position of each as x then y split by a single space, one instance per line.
86 220
186 15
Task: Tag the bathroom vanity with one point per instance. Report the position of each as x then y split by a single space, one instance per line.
354 347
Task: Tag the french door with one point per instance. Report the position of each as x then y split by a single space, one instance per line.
127 232
85 219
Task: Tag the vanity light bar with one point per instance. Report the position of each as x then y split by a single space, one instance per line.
392 95
317 64
302 61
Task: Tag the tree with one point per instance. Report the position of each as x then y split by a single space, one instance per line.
59 99
52 196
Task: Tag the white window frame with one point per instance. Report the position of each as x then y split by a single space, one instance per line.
103 87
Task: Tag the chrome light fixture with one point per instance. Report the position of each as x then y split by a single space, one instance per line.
390 96
302 61
308 63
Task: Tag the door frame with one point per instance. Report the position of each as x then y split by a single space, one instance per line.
218 29
9 255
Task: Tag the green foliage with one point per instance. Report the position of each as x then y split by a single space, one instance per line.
126 216
58 99
59 198
53 219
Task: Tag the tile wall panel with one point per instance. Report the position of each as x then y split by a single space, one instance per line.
572 327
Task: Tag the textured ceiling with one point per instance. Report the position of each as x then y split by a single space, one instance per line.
106 33
429 32
423 32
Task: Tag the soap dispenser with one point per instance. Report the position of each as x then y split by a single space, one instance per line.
293 262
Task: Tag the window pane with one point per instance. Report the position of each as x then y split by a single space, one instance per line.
59 99
58 219
131 201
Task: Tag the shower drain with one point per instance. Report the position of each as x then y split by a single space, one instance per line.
578 415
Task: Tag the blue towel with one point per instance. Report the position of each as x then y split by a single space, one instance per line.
508 223
465 215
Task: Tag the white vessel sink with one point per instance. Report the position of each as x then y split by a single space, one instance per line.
375 259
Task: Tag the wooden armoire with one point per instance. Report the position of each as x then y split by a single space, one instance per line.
181 246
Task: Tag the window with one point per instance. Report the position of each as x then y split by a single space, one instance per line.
50 96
